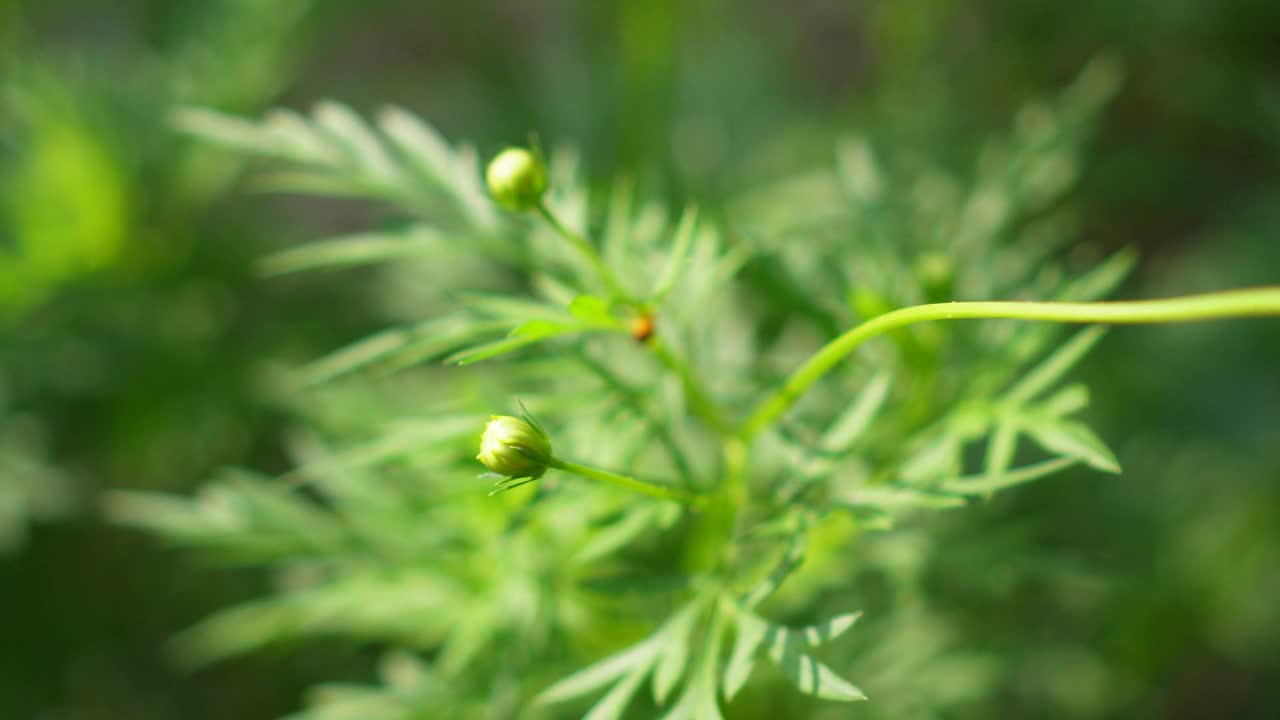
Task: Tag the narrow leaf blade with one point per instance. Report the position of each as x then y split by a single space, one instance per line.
809 675
612 705
424 147
526 334
225 130
1066 437
748 637
679 255
633 659
365 149
850 425
984 485
349 251
1001 447
822 633
592 310
1056 365
675 653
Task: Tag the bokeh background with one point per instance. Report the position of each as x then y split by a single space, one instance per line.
133 331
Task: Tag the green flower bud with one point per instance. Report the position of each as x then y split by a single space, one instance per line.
515 447
517 179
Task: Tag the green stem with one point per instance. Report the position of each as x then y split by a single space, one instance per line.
635 399
701 405
710 547
1252 302
588 251
698 400
628 483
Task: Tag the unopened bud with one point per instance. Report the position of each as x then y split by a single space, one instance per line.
515 447
517 179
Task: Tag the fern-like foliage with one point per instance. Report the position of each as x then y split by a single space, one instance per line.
533 601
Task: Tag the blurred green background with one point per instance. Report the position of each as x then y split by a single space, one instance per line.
133 333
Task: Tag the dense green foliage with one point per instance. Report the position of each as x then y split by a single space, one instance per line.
139 353
391 545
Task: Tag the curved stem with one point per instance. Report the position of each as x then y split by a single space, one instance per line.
1252 302
587 250
628 483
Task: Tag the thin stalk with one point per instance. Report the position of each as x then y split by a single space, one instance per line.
635 399
698 400
711 547
701 405
628 483
1253 302
588 252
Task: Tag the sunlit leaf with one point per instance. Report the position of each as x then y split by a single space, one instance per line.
592 311
675 652
1066 437
426 150
1052 368
809 675
985 484
639 657
787 564
352 250
366 151
1001 447
748 635
891 497
855 419
1066 401
614 702
677 259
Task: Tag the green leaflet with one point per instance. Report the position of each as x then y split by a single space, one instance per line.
748 636
229 132
1073 439
335 152
586 313
363 147
810 676
675 653
889 497
853 422
986 484
395 346
665 654
785 647
426 151
637 659
677 259
1052 368
353 250
592 311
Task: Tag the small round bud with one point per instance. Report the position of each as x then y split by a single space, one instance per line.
515 447
517 179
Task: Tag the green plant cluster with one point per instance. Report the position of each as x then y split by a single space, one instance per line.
659 349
